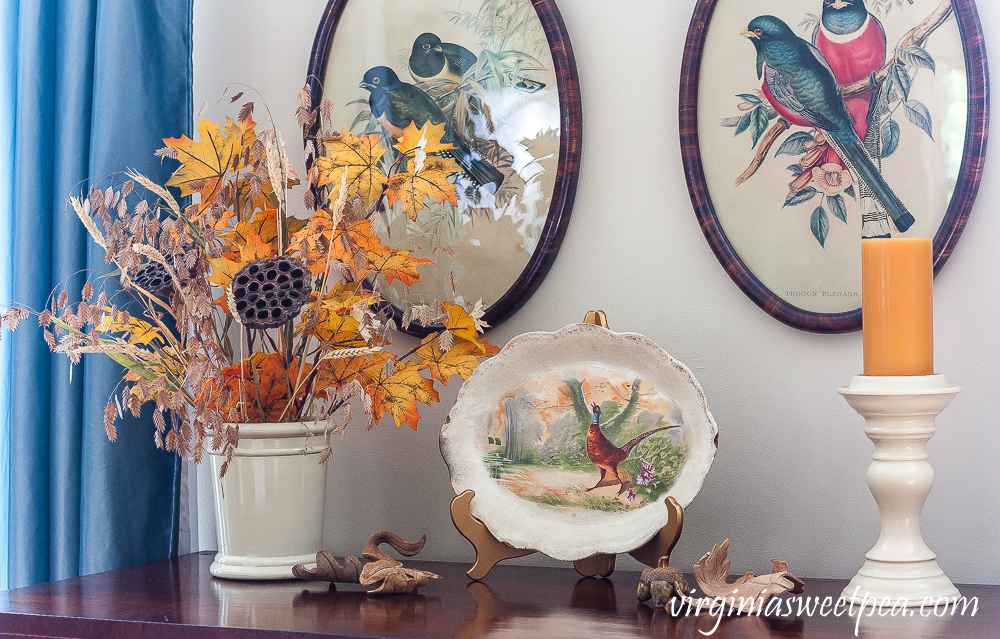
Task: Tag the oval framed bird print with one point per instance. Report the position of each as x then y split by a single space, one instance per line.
572 440
465 116
807 125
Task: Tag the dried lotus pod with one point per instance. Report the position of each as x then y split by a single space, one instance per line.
153 277
268 293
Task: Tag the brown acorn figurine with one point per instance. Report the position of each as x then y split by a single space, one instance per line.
661 584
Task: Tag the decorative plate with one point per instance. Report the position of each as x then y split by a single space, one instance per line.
521 436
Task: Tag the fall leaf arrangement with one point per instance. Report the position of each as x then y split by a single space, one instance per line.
231 311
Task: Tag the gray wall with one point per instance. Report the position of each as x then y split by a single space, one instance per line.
789 478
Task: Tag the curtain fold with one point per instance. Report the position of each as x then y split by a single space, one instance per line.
8 84
99 83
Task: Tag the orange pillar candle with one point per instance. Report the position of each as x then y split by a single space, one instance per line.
896 306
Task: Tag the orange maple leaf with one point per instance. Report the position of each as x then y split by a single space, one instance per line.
365 368
352 236
359 157
312 241
428 135
431 180
335 373
265 224
398 394
205 163
255 248
349 238
396 264
461 359
265 386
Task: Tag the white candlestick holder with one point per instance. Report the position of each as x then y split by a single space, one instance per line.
899 417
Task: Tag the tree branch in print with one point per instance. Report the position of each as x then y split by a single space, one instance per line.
779 127
820 171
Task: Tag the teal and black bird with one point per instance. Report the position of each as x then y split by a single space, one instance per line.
395 104
801 81
431 59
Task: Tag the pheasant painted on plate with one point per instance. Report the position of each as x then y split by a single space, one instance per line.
562 433
544 446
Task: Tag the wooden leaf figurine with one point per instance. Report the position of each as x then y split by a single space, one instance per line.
377 569
392 578
711 573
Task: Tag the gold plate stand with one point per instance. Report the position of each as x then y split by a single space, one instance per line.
490 550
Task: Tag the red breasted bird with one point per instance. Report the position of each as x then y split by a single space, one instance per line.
802 83
853 42
607 456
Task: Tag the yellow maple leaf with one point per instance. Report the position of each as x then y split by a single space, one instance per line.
429 135
463 326
344 295
460 323
205 163
461 359
432 180
364 368
244 132
139 331
359 157
399 393
223 270
337 331
396 264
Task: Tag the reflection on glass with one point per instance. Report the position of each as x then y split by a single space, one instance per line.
484 71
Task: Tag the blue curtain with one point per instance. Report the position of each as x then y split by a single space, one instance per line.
89 87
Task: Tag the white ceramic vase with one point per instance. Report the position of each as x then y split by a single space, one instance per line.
269 506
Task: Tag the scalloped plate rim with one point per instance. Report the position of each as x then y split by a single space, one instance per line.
628 530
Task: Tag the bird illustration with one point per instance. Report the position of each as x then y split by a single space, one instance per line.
395 104
854 44
607 456
800 82
431 59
